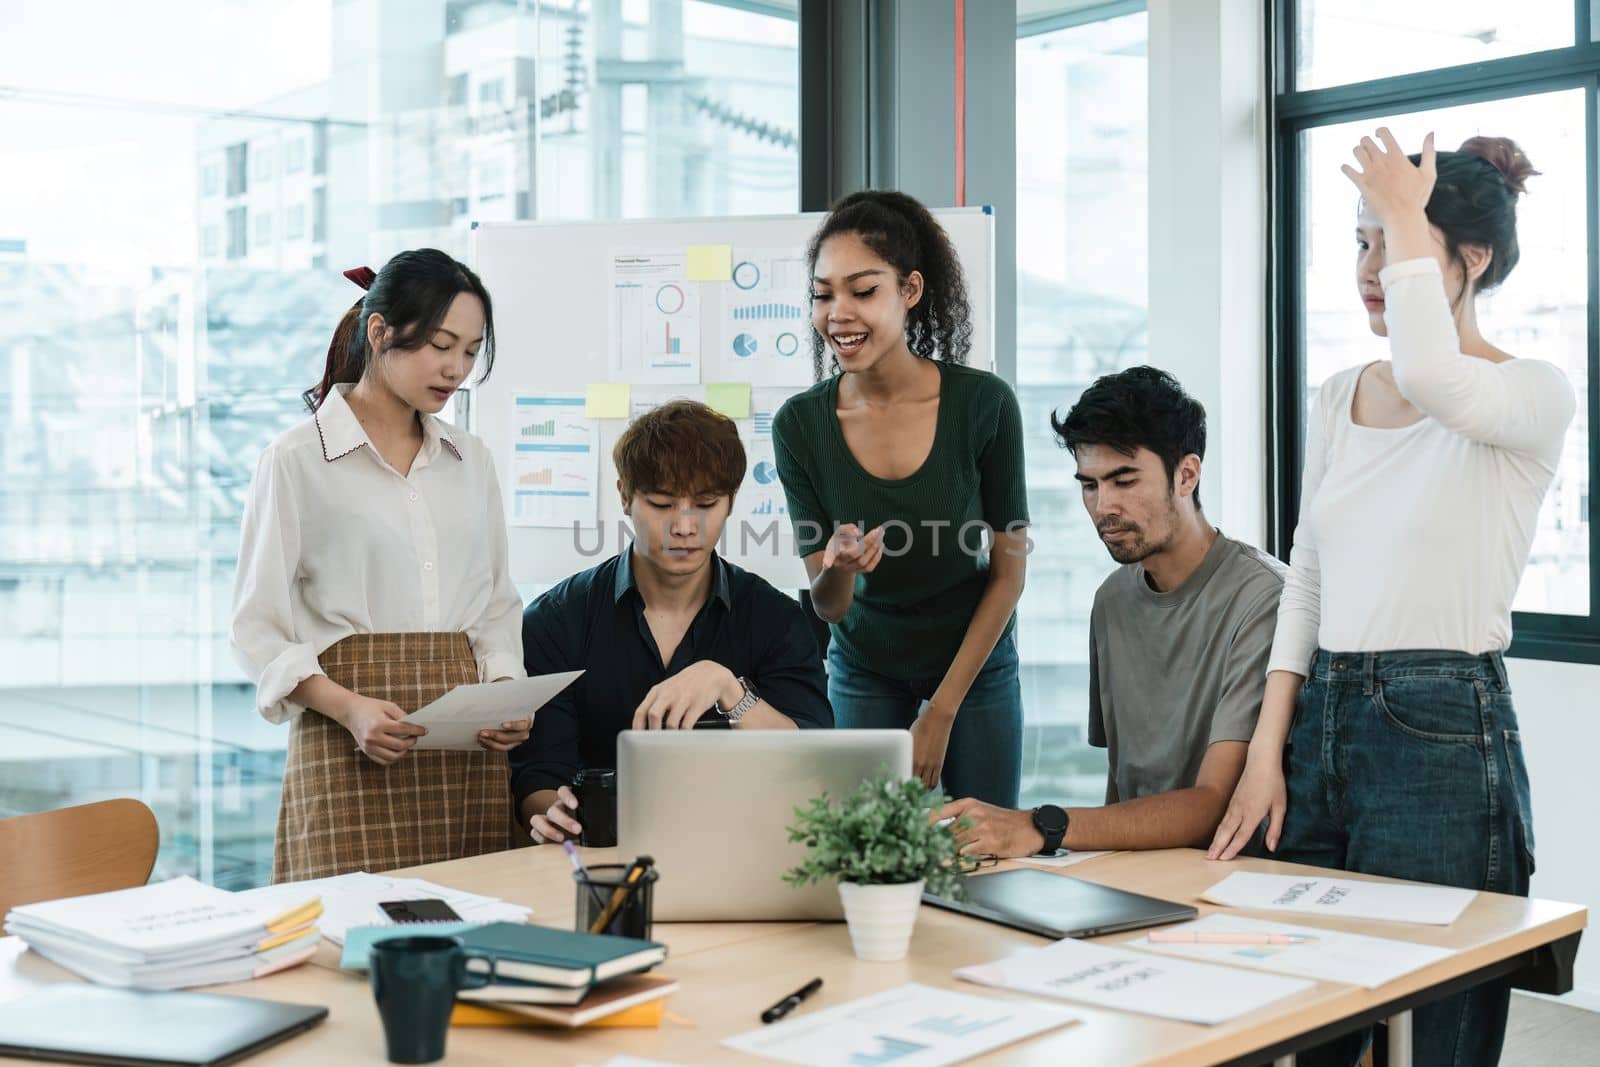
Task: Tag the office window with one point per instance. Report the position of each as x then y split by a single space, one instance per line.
1543 310
261 161
492 93
211 179
238 169
1342 41
133 427
1082 166
238 243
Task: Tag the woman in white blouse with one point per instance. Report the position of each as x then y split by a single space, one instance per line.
1423 480
372 579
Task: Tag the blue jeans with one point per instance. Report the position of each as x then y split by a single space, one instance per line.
984 759
1409 765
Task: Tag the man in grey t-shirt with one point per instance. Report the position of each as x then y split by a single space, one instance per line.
1178 638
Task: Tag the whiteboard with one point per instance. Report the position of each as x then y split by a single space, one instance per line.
551 283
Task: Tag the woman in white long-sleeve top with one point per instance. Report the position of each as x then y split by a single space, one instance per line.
373 579
1423 480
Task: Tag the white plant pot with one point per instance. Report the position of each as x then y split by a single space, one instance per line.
881 918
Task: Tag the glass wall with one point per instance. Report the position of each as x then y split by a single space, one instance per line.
173 223
1082 167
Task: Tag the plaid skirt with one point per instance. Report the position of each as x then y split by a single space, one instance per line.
341 812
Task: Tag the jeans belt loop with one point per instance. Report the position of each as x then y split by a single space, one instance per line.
1498 661
1369 672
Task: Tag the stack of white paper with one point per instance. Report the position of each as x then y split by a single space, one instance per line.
1109 977
170 935
1330 955
350 900
1434 905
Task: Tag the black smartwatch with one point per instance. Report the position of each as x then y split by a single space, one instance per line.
1050 821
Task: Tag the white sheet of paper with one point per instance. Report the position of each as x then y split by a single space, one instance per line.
911 1026
1063 858
1431 905
1353 959
1110 977
352 900
453 721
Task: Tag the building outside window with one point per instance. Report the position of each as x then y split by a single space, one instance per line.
1082 165
122 495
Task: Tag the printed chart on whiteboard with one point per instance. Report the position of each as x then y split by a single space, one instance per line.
766 318
761 501
555 462
655 319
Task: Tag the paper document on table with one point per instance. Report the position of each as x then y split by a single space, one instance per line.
1111 977
453 721
911 1026
350 900
1332 956
178 918
1431 905
1064 857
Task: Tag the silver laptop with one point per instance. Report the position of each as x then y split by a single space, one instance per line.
714 808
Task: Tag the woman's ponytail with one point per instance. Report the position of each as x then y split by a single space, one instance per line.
347 352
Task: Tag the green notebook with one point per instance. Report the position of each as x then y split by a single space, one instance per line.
559 957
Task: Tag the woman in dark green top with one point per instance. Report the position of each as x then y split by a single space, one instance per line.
905 482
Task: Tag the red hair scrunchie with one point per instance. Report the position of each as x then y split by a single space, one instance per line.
362 276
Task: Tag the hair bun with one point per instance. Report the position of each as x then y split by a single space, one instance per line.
1506 157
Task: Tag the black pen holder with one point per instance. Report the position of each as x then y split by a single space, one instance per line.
598 884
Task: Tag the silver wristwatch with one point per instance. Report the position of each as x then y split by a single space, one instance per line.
748 701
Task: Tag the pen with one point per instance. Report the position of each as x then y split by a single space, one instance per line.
579 869
790 1002
635 872
1191 937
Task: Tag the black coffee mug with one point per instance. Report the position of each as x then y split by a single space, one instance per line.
596 790
414 981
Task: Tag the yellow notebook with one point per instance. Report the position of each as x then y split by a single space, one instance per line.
640 1015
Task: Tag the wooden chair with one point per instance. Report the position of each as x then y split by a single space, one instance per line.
90 848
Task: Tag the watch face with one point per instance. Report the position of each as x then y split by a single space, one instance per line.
1050 819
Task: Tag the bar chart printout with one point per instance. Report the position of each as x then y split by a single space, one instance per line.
910 1026
554 468
654 331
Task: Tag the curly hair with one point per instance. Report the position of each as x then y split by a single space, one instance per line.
905 235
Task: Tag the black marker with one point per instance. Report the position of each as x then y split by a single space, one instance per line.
790 1002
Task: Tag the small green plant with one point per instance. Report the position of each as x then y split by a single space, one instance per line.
880 834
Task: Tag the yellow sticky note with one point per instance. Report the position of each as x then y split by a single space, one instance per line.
710 263
606 400
730 398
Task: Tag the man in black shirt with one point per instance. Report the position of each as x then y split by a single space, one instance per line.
667 632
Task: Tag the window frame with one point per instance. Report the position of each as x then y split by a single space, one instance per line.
1536 635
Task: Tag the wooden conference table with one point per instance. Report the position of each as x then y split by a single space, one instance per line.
730 972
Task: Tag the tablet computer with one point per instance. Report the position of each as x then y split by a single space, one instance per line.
139 1028
1057 906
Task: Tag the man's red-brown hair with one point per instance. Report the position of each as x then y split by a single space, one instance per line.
682 448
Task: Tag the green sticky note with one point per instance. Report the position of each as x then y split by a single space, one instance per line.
710 263
730 398
606 400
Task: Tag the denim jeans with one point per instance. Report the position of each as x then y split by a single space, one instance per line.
984 759
1409 764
